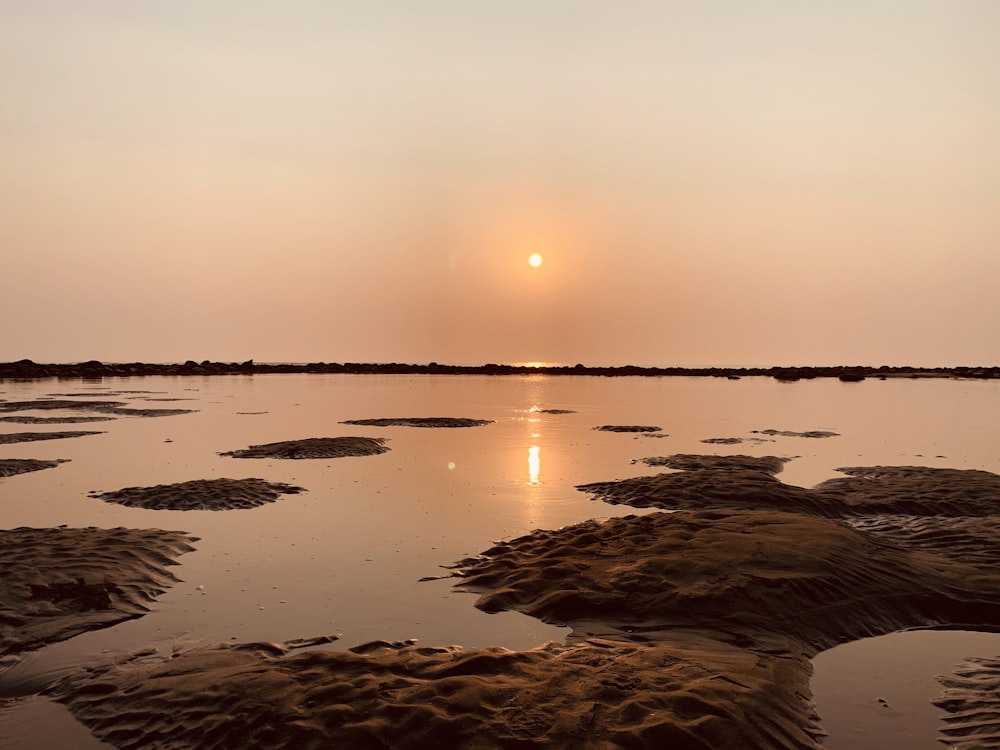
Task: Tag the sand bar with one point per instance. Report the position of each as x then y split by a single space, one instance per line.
60 582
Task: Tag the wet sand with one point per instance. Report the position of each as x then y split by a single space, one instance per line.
201 494
11 466
58 583
690 629
334 447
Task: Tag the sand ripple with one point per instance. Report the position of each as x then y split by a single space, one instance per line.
29 437
58 583
114 408
335 447
971 700
201 494
706 488
792 433
722 482
132 412
746 575
44 404
695 462
628 428
11 466
598 695
972 540
691 629
916 490
420 422
24 419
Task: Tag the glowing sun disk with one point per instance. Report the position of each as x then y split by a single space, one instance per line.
535 260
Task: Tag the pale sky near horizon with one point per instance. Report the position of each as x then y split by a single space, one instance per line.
710 182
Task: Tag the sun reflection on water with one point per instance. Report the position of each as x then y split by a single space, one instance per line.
534 465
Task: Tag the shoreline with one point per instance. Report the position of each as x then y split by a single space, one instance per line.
26 369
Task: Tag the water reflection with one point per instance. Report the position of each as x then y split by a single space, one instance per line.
534 465
378 523
533 504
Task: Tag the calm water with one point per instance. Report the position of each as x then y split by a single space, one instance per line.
345 556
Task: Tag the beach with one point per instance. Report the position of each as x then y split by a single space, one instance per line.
685 567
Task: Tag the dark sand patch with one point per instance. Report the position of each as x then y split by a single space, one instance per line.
706 488
11 466
916 490
751 578
30 437
45 404
201 494
907 490
971 701
598 695
58 583
790 433
970 539
160 398
103 392
114 408
734 440
627 428
335 447
420 422
130 412
54 420
691 630
695 462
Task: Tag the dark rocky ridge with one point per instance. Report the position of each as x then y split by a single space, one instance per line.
26 369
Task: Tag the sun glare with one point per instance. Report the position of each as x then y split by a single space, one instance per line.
535 260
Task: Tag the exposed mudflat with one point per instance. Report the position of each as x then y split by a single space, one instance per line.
11 466
31 437
201 494
57 583
332 447
420 422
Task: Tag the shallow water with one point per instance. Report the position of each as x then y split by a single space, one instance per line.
875 693
345 557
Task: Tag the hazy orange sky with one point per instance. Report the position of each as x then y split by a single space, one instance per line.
727 182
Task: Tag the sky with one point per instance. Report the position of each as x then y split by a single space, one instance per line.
707 182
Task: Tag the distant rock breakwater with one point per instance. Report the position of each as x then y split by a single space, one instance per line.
27 369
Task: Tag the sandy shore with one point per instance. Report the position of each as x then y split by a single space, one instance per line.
690 629
201 494
57 583
12 466
332 447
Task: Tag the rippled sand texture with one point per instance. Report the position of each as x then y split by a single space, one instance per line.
628 428
201 494
30 437
971 701
599 695
25 419
691 629
420 422
113 408
11 466
335 447
58 583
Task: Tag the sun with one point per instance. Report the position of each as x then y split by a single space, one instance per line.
535 260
